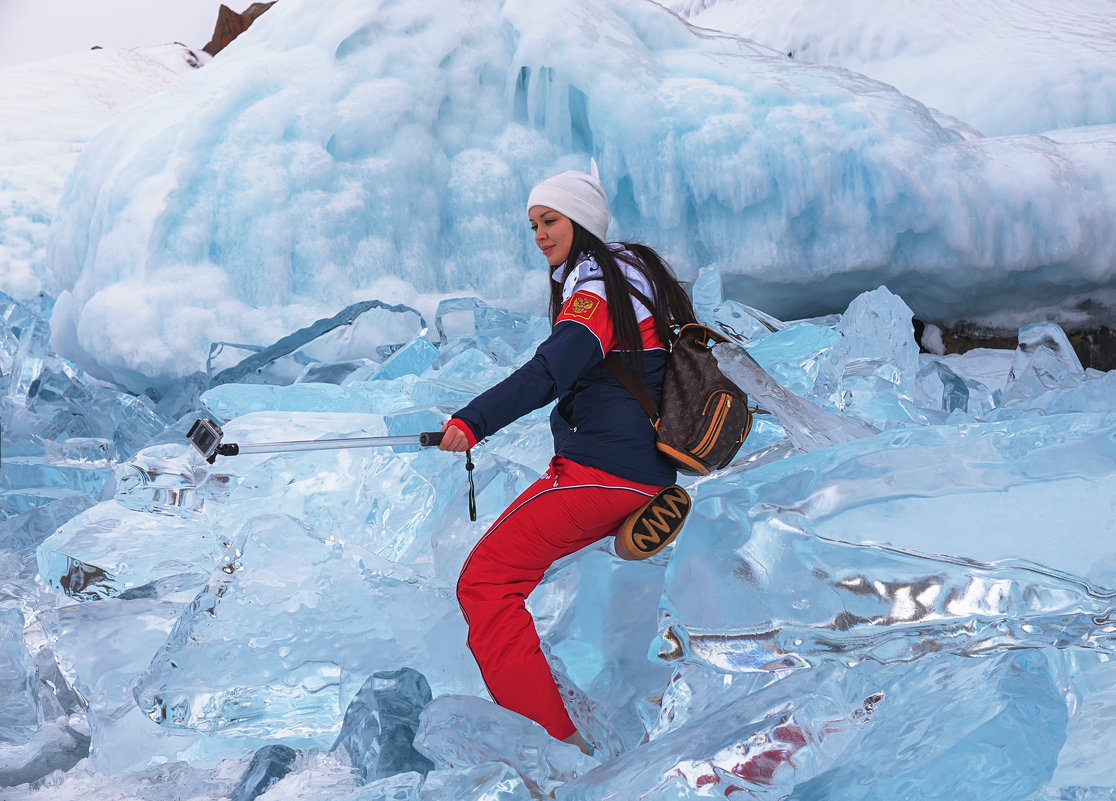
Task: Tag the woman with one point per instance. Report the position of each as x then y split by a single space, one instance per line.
615 297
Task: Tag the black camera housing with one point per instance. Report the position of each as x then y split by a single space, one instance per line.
205 435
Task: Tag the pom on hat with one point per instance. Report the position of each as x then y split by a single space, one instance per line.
576 194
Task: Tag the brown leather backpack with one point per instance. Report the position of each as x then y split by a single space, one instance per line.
703 417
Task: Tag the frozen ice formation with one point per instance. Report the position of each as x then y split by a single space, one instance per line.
1059 53
902 588
387 152
905 539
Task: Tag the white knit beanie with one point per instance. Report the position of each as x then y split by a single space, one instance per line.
576 194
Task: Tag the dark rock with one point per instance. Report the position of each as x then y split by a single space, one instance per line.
1095 347
231 24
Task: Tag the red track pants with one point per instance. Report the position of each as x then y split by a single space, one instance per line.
568 508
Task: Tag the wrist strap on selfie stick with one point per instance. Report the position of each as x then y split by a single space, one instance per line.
472 489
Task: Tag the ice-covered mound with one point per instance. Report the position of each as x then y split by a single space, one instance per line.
51 109
1021 51
385 150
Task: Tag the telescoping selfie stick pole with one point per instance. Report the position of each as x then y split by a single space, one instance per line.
205 435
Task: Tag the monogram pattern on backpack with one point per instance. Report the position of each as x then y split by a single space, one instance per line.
703 416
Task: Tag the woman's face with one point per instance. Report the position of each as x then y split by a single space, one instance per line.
553 233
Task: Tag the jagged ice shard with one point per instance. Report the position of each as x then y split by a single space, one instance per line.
904 587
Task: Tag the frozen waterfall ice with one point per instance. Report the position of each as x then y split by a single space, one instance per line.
388 152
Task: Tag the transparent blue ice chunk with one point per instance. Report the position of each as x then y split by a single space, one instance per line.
803 358
1092 394
408 423
878 325
181 396
133 417
9 345
871 391
446 395
942 388
162 480
23 533
380 724
21 713
706 292
269 764
869 550
465 323
331 372
401 787
18 316
282 636
742 323
473 367
264 356
488 781
808 426
110 549
100 648
235 400
1044 360
57 745
31 357
456 317
28 472
412 359
87 450
457 731
26 433
764 743
814 734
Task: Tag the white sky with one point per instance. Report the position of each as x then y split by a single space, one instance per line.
34 29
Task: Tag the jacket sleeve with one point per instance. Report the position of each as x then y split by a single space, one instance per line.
578 342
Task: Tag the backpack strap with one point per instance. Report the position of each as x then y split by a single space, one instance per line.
628 379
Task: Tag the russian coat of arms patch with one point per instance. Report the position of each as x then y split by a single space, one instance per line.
582 306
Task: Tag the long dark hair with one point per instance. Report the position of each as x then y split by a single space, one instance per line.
669 307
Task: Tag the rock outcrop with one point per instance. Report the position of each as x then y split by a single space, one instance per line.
230 25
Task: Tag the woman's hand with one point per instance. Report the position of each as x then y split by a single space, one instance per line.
453 439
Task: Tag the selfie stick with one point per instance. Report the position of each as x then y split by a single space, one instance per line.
205 435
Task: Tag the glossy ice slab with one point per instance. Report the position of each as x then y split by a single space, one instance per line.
280 639
894 546
457 731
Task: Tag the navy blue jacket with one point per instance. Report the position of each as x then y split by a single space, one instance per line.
596 422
